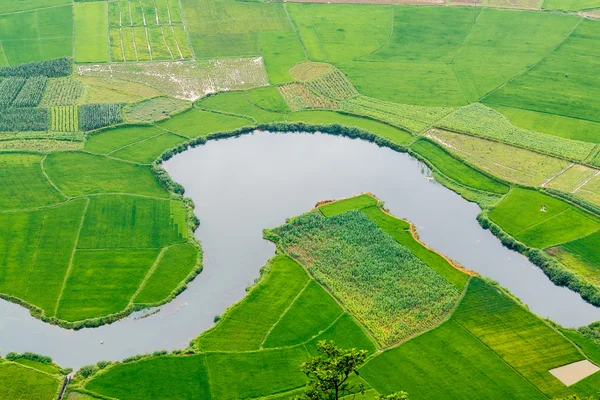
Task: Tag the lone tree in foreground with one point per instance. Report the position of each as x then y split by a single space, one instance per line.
329 374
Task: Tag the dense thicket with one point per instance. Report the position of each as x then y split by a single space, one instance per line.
94 116
24 119
50 69
31 92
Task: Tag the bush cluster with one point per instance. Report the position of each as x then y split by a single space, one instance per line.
50 69
29 356
24 119
94 116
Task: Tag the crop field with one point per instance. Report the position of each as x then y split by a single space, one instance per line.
456 170
542 220
508 162
19 382
325 244
499 100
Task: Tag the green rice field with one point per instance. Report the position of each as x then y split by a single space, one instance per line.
500 101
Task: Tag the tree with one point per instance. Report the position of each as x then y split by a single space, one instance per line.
329 372
393 396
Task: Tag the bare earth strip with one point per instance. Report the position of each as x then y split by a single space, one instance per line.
407 2
572 373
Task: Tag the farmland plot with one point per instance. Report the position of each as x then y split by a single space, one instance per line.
326 247
187 80
299 97
62 92
64 119
19 382
91 32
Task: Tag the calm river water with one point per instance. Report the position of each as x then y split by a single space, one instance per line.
243 185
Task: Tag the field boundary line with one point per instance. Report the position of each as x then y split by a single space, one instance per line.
285 312
557 175
295 29
70 267
458 51
259 107
500 358
388 40
37 9
582 184
534 64
162 31
110 60
134 143
539 223
50 180
175 39
185 29
149 274
312 27
207 373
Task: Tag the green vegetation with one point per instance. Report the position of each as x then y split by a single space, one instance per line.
113 139
31 92
539 220
94 116
267 98
91 32
146 151
281 51
457 170
24 119
390 312
353 203
238 103
195 123
62 92
100 175
155 109
571 4
64 119
21 382
522 340
24 184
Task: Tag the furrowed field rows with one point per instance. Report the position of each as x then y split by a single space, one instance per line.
64 119
143 30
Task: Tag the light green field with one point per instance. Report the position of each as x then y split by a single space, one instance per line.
577 91
522 215
24 184
457 170
155 109
353 203
18 382
113 139
238 103
281 51
267 98
568 128
36 35
100 175
146 151
459 364
91 32
522 340
575 5
195 123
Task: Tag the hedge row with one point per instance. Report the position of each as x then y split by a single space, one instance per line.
558 275
50 69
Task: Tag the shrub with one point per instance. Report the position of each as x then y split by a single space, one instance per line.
24 119
29 356
9 89
94 116
88 371
31 92
50 69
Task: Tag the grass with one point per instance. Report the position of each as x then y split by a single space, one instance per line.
572 178
156 109
40 366
91 32
36 35
575 262
146 151
400 231
238 103
281 51
24 184
495 51
195 123
508 162
171 377
267 98
587 248
552 124
347 334
313 311
303 25
525 342
247 375
521 215
118 222
100 175
244 326
457 170
175 265
353 203
358 263
35 251
62 92
575 5
112 139
577 58
25 383
459 364
391 133
102 282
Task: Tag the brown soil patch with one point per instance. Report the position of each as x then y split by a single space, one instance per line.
307 71
572 373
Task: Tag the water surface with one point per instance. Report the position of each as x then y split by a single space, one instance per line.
245 184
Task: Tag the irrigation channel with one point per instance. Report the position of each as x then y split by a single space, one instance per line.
245 184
